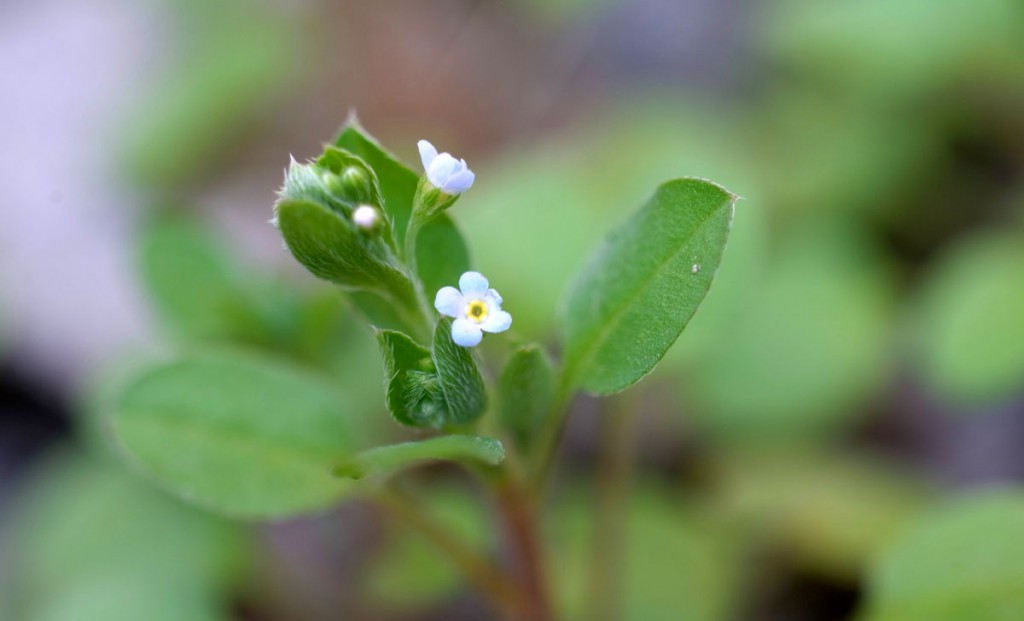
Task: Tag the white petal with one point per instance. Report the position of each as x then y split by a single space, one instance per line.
497 321
497 296
473 283
465 333
459 182
449 302
427 153
441 168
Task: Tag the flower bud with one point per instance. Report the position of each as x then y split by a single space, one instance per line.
366 217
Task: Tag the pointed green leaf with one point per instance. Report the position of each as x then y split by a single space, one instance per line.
526 390
237 433
463 388
411 389
963 562
332 249
644 284
385 460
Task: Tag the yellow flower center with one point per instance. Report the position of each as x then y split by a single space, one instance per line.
476 311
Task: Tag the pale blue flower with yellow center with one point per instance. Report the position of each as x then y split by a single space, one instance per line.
444 172
475 307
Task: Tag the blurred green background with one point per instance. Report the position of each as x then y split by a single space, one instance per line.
838 434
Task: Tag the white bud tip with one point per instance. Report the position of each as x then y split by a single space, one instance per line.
365 217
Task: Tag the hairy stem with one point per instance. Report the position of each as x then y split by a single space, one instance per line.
519 511
493 583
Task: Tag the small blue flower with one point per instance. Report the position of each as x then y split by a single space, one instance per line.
446 173
476 309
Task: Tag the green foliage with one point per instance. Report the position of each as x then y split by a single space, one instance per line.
458 377
237 433
397 182
411 388
638 292
441 255
971 321
832 511
193 284
237 60
92 543
526 392
809 342
433 388
677 563
964 562
331 248
385 460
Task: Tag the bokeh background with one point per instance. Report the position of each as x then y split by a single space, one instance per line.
857 367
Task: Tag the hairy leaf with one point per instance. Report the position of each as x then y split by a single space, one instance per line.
640 289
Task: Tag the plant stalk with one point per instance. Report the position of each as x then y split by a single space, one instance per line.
519 511
493 583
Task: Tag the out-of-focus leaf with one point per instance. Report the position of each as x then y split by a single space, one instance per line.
410 573
879 47
235 65
832 513
637 293
526 390
193 284
971 335
238 433
963 562
678 563
809 345
385 460
92 543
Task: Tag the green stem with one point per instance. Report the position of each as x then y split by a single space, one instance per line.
494 584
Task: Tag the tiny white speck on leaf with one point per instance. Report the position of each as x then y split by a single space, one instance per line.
695 268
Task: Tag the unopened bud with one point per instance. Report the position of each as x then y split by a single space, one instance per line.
366 217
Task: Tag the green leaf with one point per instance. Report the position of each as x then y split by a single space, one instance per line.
963 562
237 433
411 390
192 283
821 275
971 339
385 460
525 390
397 181
638 292
441 255
460 381
84 528
332 249
431 389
